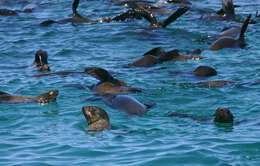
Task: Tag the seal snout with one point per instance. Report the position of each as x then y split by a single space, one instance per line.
87 113
223 115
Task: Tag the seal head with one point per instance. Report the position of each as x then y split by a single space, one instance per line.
41 60
205 71
223 115
47 97
44 98
97 118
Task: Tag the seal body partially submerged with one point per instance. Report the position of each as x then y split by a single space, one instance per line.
7 12
222 115
126 104
229 42
97 118
207 84
44 98
41 61
76 18
158 55
108 84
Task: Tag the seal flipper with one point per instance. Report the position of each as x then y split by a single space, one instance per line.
157 51
241 38
222 12
103 75
75 5
46 97
228 8
130 14
174 16
150 105
144 13
99 73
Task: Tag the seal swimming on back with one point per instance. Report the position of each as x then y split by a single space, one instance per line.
41 61
97 118
158 55
127 104
222 115
229 42
76 18
44 98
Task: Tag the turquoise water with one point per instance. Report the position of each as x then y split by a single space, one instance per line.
55 134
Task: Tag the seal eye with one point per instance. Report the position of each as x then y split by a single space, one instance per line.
51 93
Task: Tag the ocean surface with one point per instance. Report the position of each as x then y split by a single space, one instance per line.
56 133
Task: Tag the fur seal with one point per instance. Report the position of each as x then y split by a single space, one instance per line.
148 5
151 18
44 98
76 18
205 71
201 71
229 31
216 83
126 104
222 115
207 84
41 60
227 13
229 42
7 12
108 84
97 118
158 55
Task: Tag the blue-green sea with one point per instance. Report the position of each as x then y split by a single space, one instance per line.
56 133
